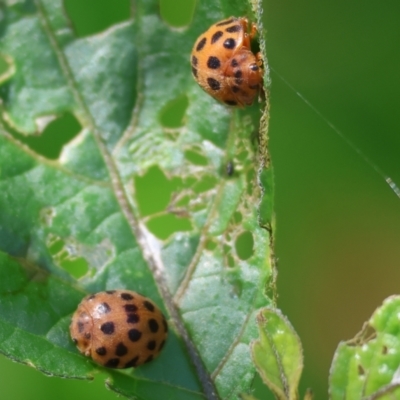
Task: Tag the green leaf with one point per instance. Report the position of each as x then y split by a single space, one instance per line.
367 367
134 201
278 354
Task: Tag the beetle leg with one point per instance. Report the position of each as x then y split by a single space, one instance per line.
253 31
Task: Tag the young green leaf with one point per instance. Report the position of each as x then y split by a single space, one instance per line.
278 354
367 367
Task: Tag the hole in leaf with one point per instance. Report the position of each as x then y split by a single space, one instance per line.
210 245
237 288
154 191
183 201
230 261
244 245
56 134
92 16
195 158
227 248
76 267
237 217
78 259
177 13
189 181
165 225
55 246
199 207
206 182
172 114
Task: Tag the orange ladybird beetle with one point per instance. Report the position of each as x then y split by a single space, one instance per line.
224 65
119 328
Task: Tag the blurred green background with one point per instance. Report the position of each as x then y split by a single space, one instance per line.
338 223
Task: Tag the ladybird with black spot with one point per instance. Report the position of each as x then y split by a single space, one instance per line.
224 65
119 328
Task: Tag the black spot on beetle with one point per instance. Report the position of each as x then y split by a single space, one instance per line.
201 44
213 62
235 89
217 35
87 335
108 328
234 63
133 318
112 363
126 296
148 305
121 350
230 43
101 351
153 325
194 72
213 83
130 307
132 363
134 335
194 60
151 345
231 102
234 28
226 22
238 75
